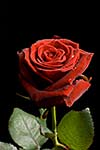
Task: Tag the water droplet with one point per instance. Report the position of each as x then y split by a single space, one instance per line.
87 109
72 56
74 68
69 80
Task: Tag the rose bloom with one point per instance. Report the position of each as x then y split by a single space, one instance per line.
50 71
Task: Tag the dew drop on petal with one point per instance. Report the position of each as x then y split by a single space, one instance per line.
74 68
72 56
70 80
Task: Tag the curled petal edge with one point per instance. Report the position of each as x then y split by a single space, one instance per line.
38 94
79 89
69 94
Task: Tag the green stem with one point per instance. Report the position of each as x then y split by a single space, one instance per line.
54 123
54 129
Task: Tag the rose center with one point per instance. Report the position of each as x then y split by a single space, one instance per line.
50 54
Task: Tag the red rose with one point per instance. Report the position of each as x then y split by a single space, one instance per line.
49 71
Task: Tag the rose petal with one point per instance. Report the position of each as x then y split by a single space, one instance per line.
39 96
23 70
69 42
79 89
43 50
53 66
71 76
29 75
42 61
38 43
59 45
48 41
71 61
33 68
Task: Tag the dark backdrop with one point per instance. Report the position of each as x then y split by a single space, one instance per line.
24 30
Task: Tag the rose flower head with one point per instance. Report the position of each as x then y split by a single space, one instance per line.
50 69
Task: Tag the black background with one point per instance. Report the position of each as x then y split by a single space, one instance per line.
27 26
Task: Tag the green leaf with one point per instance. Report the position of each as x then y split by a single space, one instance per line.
7 146
76 129
27 130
